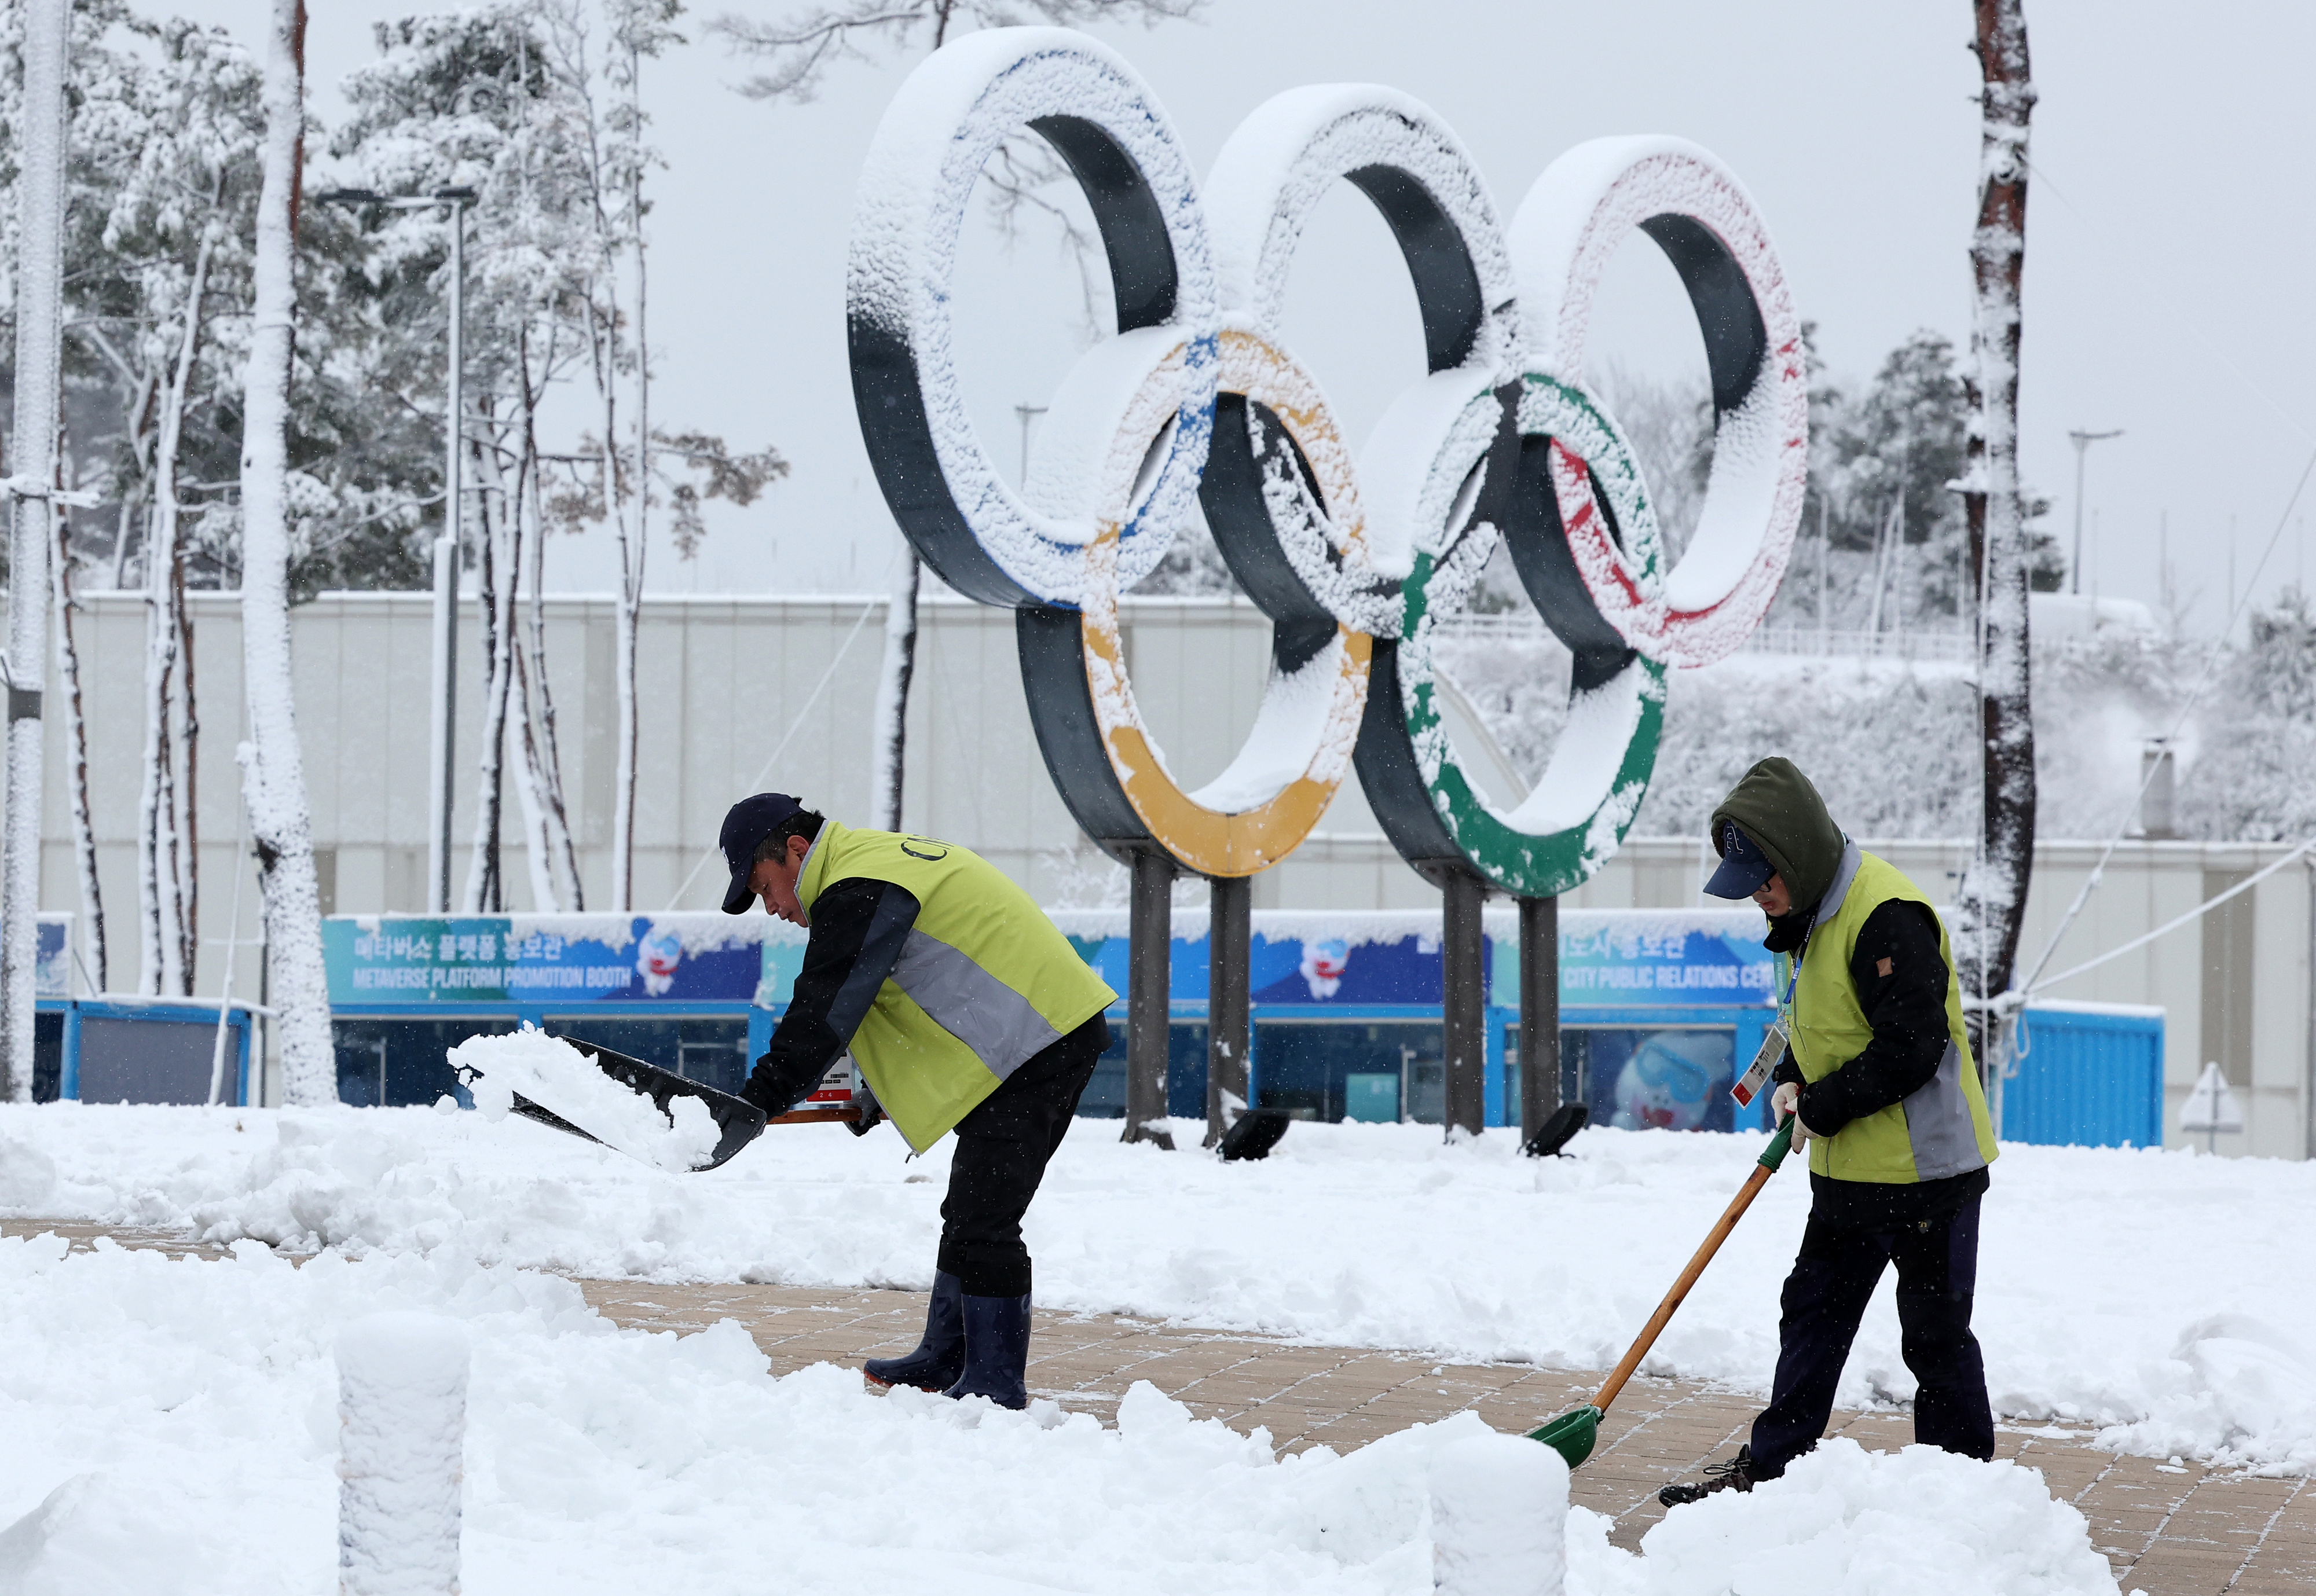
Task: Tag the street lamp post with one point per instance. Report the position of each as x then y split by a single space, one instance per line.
2082 442
442 726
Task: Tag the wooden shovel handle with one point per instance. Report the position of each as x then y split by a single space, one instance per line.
1762 1171
817 1116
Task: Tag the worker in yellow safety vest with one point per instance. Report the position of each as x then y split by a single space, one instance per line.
966 1010
1878 1081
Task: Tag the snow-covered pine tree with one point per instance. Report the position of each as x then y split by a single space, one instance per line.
2255 773
1992 901
273 776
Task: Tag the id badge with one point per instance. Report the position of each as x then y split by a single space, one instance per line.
1750 1084
838 1088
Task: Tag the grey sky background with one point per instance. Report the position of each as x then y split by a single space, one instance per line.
2168 228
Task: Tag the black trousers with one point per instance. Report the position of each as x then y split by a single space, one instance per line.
1002 1148
1825 1297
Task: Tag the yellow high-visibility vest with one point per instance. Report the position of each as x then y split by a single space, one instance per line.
984 979
1941 1130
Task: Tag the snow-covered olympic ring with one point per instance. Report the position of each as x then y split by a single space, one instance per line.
984 539
1196 393
1586 202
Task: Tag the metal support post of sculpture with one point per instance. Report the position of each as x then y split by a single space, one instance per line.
1149 928
1230 943
1539 1014
1463 995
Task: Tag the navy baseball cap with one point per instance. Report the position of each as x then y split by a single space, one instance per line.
746 824
1743 866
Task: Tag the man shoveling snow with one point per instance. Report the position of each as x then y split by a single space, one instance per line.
967 1011
1879 1080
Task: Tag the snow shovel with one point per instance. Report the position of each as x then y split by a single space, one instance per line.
1573 1435
740 1121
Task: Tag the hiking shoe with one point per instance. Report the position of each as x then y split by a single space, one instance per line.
1736 1475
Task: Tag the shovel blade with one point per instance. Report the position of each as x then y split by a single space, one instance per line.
1572 1434
739 1121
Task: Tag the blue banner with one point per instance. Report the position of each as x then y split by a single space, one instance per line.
560 959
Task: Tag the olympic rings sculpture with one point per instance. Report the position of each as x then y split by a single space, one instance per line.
1197 395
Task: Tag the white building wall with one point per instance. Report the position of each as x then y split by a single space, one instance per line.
726 681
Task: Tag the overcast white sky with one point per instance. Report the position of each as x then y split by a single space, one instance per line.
2169 228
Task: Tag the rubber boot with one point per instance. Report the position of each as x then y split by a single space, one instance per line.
939 1357
996 1351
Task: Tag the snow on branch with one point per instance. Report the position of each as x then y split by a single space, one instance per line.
799 49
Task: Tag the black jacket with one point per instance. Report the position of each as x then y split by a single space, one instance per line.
857 929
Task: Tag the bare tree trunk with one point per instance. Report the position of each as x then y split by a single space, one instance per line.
891 729
498 544
554 858
619 496
623 823
185 836
623 812
624 497
629 502
156 871
159 870
121 538
92 891
273 775
141 387
1993 897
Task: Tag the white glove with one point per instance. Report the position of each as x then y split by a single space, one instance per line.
1785 1103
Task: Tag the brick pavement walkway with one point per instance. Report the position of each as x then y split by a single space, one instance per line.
2168 1530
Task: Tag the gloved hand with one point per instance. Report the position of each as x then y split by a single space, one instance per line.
776 1093
1785 1102
761 1093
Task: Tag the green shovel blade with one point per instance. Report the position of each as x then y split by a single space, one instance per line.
1572 1434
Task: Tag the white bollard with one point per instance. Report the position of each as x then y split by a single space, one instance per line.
1499 1518
402 1417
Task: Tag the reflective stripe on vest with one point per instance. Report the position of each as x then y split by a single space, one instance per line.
984 981
1938 1131
993 1019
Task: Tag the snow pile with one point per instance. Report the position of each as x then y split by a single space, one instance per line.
1557 1261
550 1072
1917 1522
2235 1375
172 1428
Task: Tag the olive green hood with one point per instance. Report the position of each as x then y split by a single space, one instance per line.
1776 807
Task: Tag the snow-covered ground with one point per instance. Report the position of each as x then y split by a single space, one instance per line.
173 1430
2166 1296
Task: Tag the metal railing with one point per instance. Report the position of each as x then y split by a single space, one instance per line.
1807 640
1867 646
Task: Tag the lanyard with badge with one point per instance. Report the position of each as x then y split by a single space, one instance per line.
1748 1085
